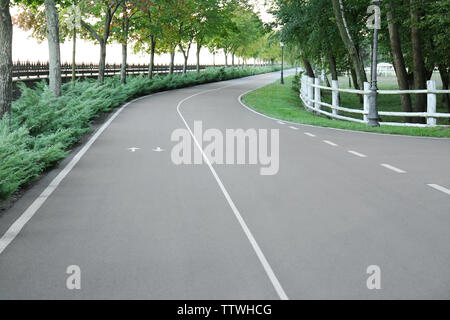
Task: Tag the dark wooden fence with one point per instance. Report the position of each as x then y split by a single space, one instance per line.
39 70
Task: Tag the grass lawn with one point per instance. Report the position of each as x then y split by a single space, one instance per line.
282 102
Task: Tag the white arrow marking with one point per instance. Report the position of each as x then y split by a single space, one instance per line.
133 149
158 149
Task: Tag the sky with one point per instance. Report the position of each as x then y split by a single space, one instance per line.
26 48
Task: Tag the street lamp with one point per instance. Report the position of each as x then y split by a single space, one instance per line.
373 117
282 57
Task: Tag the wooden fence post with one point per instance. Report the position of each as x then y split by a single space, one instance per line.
310 92
317 95
335 96
366 102
431 103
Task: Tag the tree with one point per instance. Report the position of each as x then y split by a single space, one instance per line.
103 11
397 55
420 78
341 22
46 24
120 31
148 30
209 19
52 15
72 19
6 32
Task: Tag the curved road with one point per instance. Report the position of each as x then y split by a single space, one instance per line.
141 227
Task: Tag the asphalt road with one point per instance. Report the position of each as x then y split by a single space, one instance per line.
141 227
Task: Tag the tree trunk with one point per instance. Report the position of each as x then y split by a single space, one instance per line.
445 76
418 62
74 51
308 67
226 57
172 59
53 47
6 31
123 67
102 63
185 64
338 9
399 61
152 57
232 59
333 68
354 78
106 30
356 84
199 48
185 58
333 71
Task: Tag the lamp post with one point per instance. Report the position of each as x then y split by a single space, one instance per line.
282 58
373 117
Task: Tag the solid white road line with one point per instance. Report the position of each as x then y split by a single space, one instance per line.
293 128
310 134
438 187
357 154
17 226
388 166
330 143
267 268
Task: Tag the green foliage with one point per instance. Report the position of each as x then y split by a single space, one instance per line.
296 81
44 127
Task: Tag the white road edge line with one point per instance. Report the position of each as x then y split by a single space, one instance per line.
388 166
267 268
293 128
309 134
330 143
440 188
17 226
357 154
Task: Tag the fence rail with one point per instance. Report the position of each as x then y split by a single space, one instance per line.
39 70
310 94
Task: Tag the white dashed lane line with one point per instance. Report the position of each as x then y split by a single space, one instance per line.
357 154
439 188
330 143
310 134
388 166
280 122
293 128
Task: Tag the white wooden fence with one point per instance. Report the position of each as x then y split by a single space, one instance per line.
310 95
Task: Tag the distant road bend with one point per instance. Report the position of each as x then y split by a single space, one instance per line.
140 227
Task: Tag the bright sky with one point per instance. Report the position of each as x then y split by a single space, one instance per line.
26 48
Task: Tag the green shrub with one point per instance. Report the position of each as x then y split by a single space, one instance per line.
44 127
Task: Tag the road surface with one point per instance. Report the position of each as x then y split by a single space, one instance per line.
140 227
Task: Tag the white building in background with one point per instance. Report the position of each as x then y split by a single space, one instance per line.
383 69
